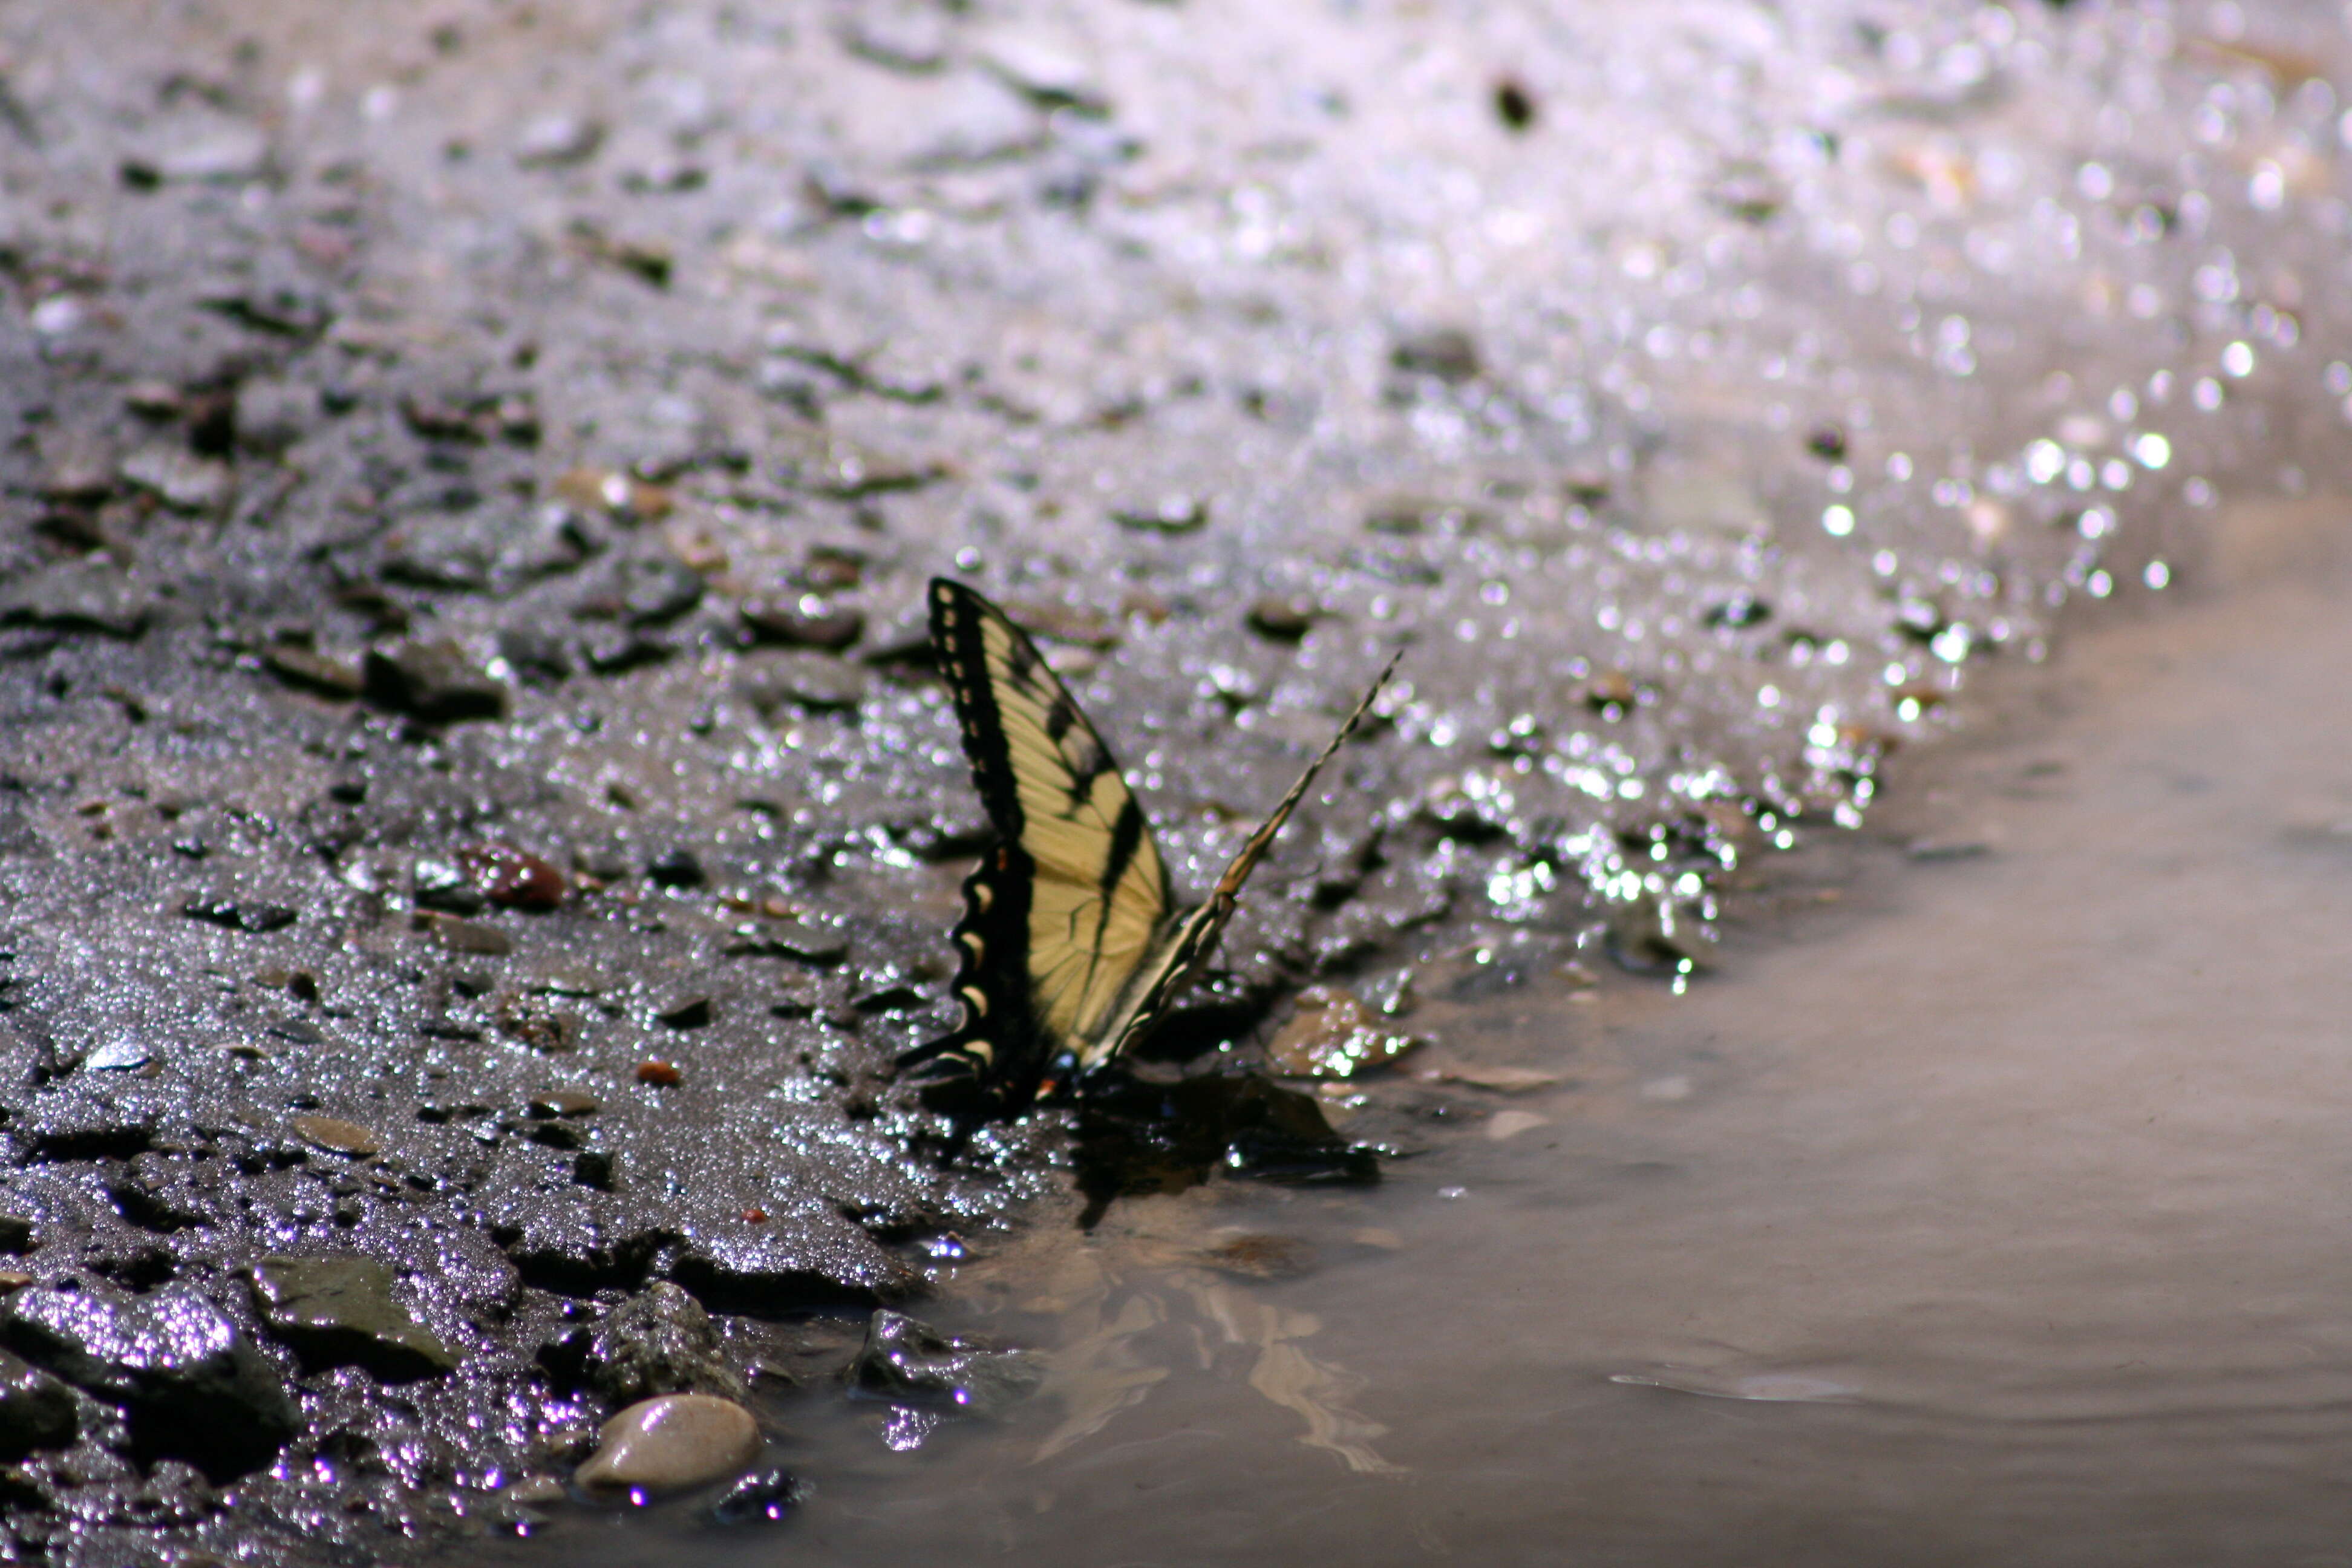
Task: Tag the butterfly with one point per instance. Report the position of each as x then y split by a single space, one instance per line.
1071 946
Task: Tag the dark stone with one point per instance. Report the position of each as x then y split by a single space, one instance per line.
805 622
340 1311
1448 354
36 1411
239 914
443 885
535 652
764 1496
692 1012
619 650
910 1362
658 1341
190 1385
675 869
436 681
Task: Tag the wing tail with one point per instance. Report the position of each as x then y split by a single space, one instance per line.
1198 938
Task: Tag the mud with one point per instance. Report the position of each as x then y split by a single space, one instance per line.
473 811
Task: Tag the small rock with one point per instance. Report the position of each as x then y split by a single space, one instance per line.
340 1311
1284 618
909 1362
1175 512
1043 70
809 621
338 1136
466 936
36 1411
675 868
437 884
675 1443
692 1013
239 914
190 1385
814 682
272 416
620 496
510 878
87 595
118 1055
1511 1123
536 652
1260 1256
77 466
436 681
1332 1035
643 591
761 1497
904 34
563 1102
656 1342
297 666
551 141
659 1073
1448 354
184 481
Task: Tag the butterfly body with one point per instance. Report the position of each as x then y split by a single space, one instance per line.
1071 946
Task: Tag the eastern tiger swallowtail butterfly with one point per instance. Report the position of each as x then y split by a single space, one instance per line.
1072 944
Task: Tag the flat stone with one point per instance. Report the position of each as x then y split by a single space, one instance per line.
809 621
271 416
190 1385
675 1443
308 668
909 1362
811 681
436 681
341 1311
79 596
248 915
185 482
342 1137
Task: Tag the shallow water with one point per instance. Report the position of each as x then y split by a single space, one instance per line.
1995 1213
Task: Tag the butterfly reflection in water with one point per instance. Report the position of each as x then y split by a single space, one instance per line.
1072 945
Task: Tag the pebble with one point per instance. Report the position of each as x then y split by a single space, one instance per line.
118 1055
466 936
671 1444
298 665
512 878
1284 618
434 680
1511 1123
338 1136
1332 1035
563 1102
79 596
675 868
659 1342
551 141
271 414
808 621
818 682
1046 71
341 1311
1501 1080
763 1496
1175 512
184 481
77 466
658 1073
1449 354
617 495
239 914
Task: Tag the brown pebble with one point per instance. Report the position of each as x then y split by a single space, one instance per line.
510 878
613 493
755 1217
342 1137
653 1070
1333 1034
670 1444
1284 618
